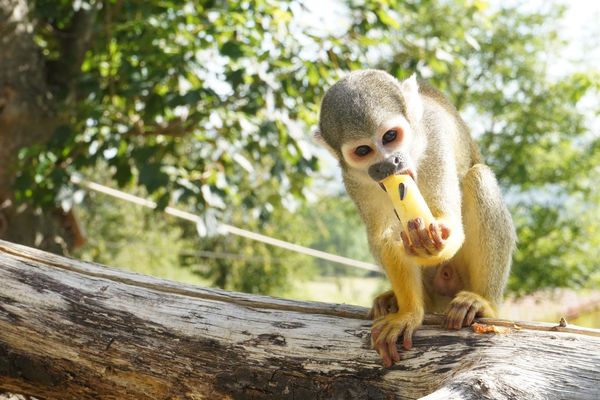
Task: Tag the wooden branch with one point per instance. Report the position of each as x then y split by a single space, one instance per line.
75 330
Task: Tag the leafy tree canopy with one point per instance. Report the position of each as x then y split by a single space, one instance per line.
209 104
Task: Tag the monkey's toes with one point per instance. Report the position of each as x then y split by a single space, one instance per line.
383 305
386 331
464 308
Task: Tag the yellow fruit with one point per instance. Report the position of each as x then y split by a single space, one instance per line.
407 200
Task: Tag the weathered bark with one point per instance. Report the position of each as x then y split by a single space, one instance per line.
26 113
26 117
30 96
74 330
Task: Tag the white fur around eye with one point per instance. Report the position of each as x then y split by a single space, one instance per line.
356 161
403 139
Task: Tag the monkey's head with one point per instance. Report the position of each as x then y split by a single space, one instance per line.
369 122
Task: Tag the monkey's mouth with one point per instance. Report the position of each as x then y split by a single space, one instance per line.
395 164
408 172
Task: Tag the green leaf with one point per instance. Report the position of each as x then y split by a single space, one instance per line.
232 49
152 177
387 19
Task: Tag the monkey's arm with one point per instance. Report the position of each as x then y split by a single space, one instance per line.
438 182
486 255
405 277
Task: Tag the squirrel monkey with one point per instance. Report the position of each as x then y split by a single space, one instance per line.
377 126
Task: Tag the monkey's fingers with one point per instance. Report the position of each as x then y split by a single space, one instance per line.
389 341
385 356
383 328
463 309
471 314
379 347
445 231
406 331
408 247
387 352
392 331
456 315
383 305
436 235
379 308
386 331
426 239
414 227
373 311
413 234
392 349
439 234
393 305
375 337
407 339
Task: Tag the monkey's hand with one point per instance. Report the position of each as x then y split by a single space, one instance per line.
465 307
425 242
386 331
383 305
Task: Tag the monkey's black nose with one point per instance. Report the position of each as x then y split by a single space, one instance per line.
394 164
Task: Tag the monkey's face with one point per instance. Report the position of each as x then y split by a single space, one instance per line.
366 122
383 153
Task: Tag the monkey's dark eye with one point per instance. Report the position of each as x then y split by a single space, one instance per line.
389 136
362 151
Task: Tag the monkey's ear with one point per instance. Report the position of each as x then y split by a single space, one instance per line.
414 104
319 139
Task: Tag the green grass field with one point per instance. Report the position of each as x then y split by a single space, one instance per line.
342 290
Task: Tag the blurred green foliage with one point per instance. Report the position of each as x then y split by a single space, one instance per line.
335 227
208 104
142 240
134 238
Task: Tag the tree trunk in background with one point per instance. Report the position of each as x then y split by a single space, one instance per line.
27 116
74 330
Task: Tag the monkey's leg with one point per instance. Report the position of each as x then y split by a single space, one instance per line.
486 253
438 281
383 305
405 277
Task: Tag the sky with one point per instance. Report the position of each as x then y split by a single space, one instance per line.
581 29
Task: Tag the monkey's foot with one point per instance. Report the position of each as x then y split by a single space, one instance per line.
465 307
386 331
383 305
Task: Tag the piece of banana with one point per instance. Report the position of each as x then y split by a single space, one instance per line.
407 200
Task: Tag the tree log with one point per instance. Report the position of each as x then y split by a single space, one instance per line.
76 330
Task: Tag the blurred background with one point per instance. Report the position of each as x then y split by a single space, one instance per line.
209 106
